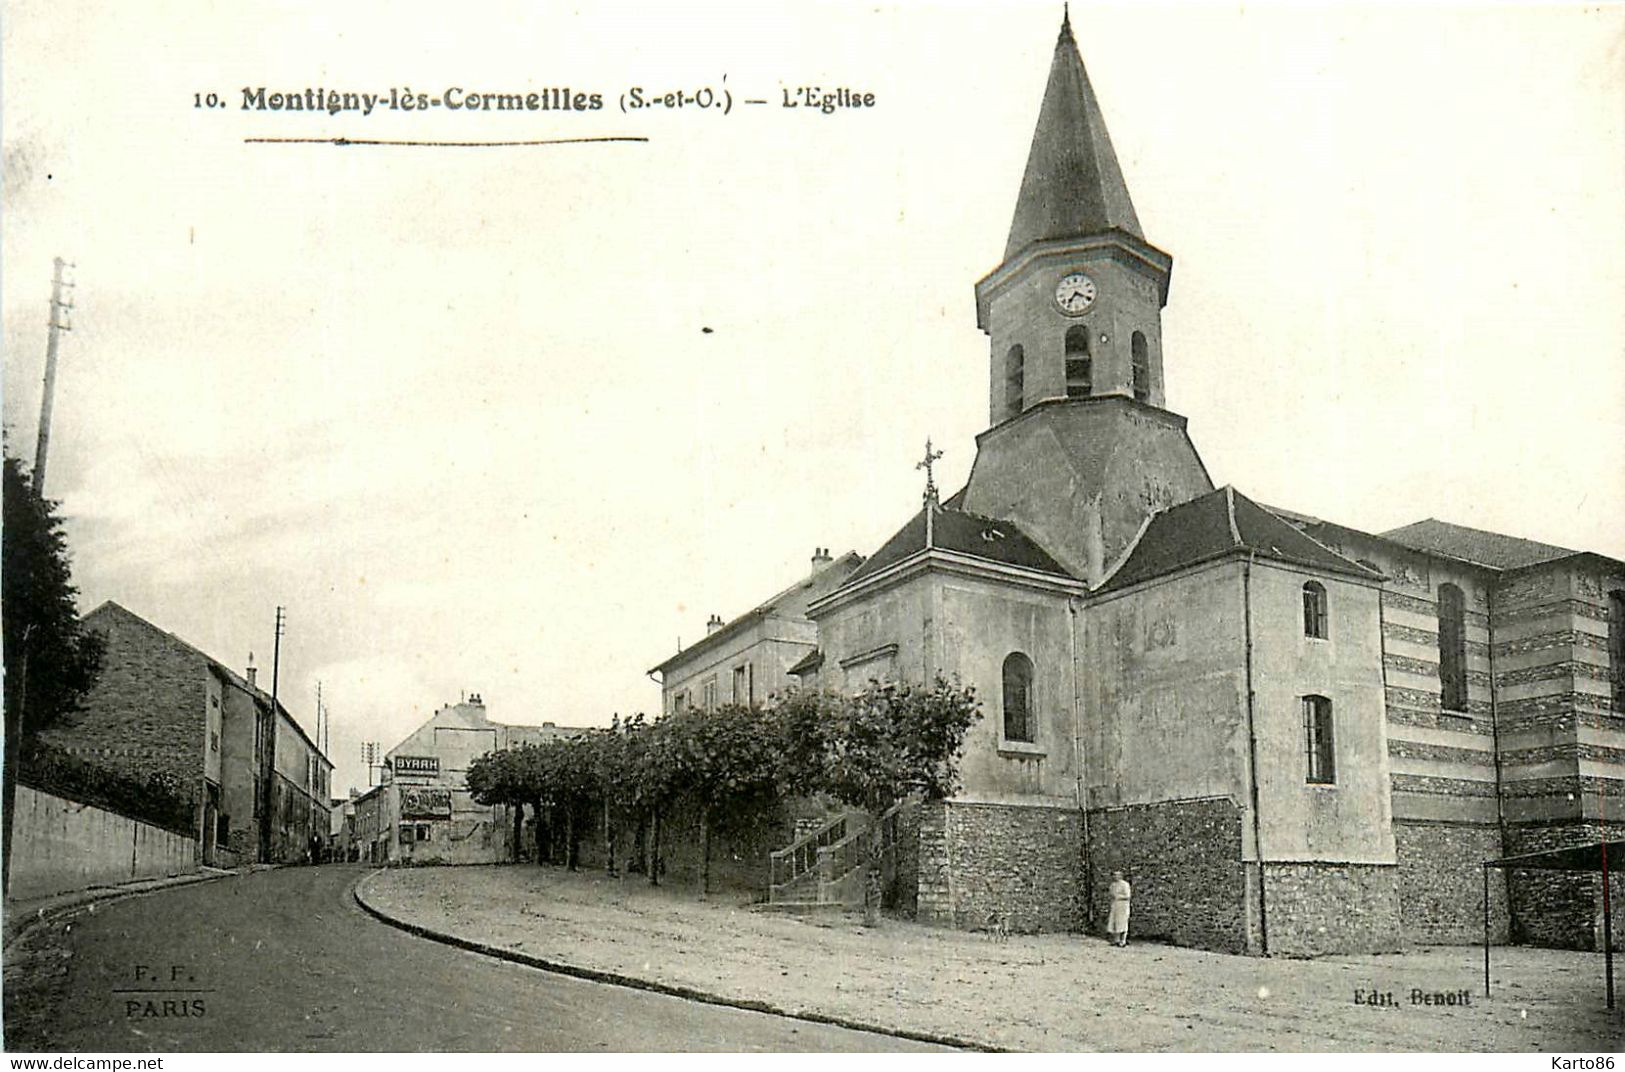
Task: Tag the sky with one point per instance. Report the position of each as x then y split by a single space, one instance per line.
516 420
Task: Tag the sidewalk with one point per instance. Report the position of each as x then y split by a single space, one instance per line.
1040 992
21 914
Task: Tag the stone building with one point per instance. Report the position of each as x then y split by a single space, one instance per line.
1294 736
160 706
421 812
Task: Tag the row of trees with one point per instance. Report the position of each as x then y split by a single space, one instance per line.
735 765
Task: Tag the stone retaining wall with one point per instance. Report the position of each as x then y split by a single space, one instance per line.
1441 883
987 865
1183 861
1315 908
1562 909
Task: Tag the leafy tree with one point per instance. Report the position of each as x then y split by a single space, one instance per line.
875 748
51 662
570 784
494 779
530 785
650 785
735 765
728 763
607 757
557 778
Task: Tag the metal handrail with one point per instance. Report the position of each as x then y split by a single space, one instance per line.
801 855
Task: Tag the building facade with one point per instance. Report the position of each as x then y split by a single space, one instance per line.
1294 737
422 812
161 707
758 654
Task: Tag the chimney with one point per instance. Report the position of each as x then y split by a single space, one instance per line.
713 624
820 558
253 671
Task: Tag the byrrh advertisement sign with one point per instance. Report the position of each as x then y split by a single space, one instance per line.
417 764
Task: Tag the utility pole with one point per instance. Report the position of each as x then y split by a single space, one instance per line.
60 308
276 652
268 755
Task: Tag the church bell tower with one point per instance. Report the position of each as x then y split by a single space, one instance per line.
1074 311
1081 448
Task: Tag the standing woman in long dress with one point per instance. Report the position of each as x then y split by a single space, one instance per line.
1117 921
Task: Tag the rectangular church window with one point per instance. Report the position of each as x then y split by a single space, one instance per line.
1317 741
1314 610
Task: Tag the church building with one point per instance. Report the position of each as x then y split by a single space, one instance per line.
1293 736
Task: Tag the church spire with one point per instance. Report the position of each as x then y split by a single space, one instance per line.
1073 185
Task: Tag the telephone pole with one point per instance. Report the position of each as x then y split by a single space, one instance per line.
268 751
61 306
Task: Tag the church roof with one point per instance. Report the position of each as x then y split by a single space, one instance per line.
1073 185
1220 523
969 534
1477 546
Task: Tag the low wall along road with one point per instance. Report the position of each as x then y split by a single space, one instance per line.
61 845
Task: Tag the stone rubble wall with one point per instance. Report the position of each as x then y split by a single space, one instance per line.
1183 861
1315 908
983 866
1563 909
1441 883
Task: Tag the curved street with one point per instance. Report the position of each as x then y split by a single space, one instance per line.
285 960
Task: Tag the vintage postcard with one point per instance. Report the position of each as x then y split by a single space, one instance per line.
813 527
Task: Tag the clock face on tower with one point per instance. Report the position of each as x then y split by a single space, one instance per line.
1075 293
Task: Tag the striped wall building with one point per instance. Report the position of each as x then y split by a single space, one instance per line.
1504 673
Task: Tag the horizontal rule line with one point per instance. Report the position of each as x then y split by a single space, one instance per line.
439 144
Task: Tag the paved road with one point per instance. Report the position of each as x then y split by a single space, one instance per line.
284 960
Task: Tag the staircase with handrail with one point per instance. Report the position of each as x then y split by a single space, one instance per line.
826 866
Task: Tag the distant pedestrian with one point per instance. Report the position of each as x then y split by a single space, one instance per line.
1117 921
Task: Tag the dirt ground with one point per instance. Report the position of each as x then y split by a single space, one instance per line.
1028 992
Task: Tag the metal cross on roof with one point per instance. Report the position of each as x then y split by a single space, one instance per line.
927 463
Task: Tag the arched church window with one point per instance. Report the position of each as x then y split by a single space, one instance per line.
1319 755
1142 367
1452 648
1019 721
1080 373
1314 610
1015 379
